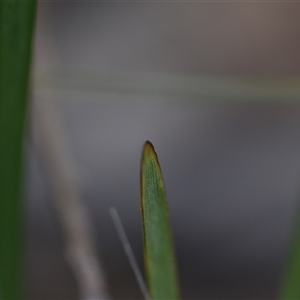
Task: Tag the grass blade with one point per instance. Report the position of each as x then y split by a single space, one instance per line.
161 270
291 281
16 27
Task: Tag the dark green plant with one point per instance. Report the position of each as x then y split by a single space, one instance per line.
16 31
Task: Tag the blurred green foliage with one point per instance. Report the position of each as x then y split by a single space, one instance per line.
16 32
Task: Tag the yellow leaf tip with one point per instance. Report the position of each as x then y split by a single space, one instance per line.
148 144
149 150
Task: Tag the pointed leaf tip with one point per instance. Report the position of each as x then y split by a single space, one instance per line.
149 150
160 265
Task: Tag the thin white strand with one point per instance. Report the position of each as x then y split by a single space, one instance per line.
128 250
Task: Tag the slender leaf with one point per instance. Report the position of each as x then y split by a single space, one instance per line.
16 26
290 288
161 270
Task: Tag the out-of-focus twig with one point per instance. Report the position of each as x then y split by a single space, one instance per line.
76 230
79 243
213 90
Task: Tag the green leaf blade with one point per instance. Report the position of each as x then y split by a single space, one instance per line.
290 287
161 269
16 32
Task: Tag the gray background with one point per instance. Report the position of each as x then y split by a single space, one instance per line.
232 172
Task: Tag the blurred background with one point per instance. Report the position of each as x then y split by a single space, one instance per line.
119 73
